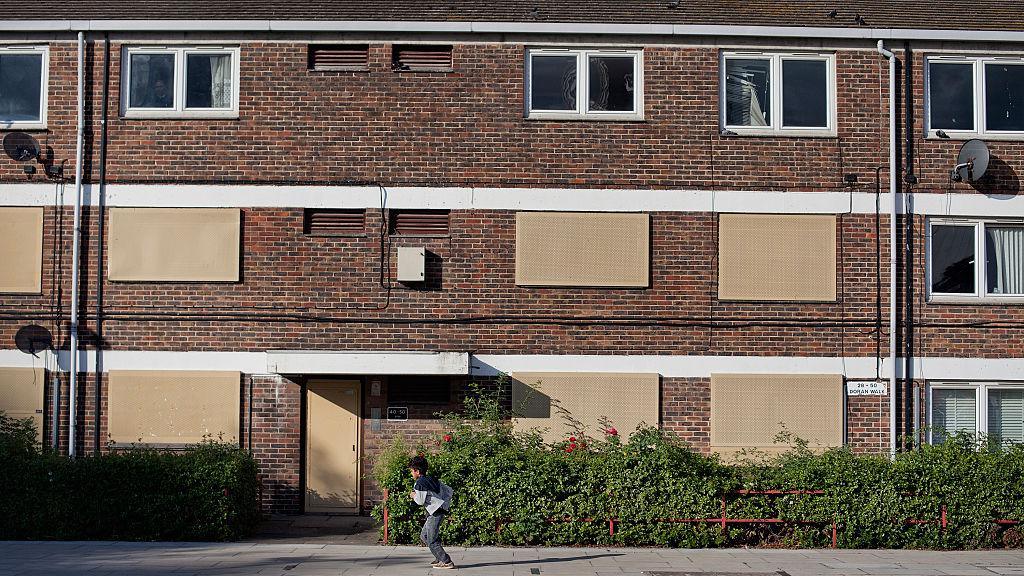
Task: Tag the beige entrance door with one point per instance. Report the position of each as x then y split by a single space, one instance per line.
332 446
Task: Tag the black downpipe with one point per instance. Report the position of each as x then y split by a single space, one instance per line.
99 239
909 180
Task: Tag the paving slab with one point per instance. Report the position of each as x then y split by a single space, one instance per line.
327 559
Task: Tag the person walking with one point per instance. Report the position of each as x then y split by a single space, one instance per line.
436 499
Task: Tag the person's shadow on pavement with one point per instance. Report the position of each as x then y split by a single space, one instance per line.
540 561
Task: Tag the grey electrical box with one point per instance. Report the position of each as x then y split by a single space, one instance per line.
411 264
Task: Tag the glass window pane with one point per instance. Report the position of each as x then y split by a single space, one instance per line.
953 259
1004 97
553 83
1004 259
804 93
1006 415
611 83
953 410
152 81
951 96
208 81
747 86
21 78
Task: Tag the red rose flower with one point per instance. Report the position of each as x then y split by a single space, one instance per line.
611 432
447 437
572 438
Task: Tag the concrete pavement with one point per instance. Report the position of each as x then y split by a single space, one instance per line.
210 559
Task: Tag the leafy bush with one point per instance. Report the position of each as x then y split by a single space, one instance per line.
512 489
204 492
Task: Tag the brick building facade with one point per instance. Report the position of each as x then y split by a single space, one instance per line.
247 187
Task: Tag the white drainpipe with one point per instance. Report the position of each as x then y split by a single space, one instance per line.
892 246
73 377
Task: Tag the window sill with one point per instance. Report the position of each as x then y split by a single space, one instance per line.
760 133
177 115
342 69
548 116
22 126
337 235
977 300
415 70
964 136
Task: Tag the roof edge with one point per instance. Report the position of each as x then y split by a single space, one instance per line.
596 28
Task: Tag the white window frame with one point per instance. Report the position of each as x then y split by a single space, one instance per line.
583 85
978 92
981 294
44 79
180 62
775 86
981 390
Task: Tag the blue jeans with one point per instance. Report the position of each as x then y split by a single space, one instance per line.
431 536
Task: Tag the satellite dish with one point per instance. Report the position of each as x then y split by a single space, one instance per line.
971 162
21 147
33 338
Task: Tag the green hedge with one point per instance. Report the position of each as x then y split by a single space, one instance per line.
205 492
510 487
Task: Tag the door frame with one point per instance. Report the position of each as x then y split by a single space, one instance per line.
304 437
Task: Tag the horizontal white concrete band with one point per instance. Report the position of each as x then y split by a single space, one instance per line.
672 366
562 199
561 28
326 362
414 362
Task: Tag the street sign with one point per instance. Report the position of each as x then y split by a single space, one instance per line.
868 388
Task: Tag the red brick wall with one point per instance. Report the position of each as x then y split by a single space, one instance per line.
466 128
303 292
277 441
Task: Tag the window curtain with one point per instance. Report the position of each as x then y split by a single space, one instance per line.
747 92
220 75
1006 415
599 84
1005 260
953 411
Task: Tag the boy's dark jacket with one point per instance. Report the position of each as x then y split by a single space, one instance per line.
432 494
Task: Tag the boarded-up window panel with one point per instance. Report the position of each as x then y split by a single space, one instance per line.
750 410
21 250
582 249
420 222
777 257
157 407
339 56
21 395
415 58
627 400
334 222
174 244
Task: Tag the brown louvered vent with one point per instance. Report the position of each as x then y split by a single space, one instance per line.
339 56
324 222
418 58
419 222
